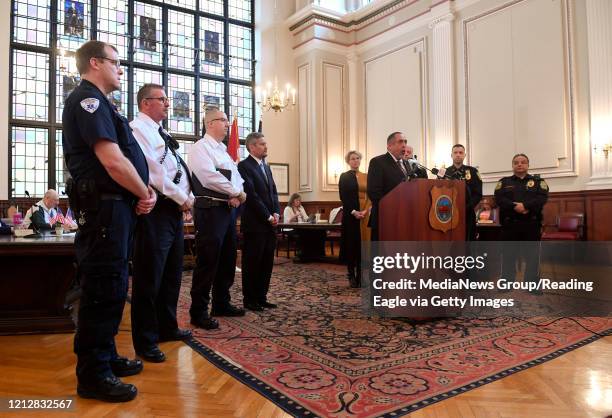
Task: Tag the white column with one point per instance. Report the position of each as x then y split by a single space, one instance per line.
443 100
353 102
599 16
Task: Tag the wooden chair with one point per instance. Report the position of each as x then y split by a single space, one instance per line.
334 236
285 236
569 226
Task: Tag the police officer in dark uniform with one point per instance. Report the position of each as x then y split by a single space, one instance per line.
473 187
109 187
521 198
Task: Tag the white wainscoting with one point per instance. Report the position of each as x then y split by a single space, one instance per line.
334 133
519 87
396 98
305 129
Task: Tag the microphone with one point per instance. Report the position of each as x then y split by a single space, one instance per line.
441 173
27 193
414 165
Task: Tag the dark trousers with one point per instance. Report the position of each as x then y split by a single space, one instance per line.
158 268
470 225
216 258
522 239
257 263
102 247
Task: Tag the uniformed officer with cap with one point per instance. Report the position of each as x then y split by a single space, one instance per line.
473 187
109 187
521 198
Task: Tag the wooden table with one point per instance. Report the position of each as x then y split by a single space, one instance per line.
36 275
488 231
311 240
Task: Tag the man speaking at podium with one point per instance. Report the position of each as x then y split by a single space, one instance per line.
384 173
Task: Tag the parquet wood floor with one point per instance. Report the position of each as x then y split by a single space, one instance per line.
576 385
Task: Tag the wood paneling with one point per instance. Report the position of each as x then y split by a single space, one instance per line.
595 204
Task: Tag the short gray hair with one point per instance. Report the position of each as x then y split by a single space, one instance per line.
145 91
210 113
252 139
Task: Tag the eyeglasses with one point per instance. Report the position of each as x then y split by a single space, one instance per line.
161 99
116 63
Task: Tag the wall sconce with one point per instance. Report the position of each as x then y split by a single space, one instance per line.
605 148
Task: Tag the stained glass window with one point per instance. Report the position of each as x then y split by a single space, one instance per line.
201 51
31 21
29 150
30 86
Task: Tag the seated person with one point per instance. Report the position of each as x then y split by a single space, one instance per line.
294 212
484 214
5 229
39 216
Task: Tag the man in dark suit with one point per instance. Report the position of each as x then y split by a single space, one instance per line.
384 173
415 171
258 224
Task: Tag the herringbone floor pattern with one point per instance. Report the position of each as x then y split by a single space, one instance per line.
576 385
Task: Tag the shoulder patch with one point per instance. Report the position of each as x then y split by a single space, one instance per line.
90 104
543 185
498 185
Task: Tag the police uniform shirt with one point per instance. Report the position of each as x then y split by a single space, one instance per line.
531 191
473 182
205 157
161 174
88 116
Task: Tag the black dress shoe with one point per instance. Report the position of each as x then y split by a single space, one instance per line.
253 307
229 310
205 322
268 305
123 367
178 335
111 389
152 354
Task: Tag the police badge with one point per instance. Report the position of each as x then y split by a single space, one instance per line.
468 175
530 183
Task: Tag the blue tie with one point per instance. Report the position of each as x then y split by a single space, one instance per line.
263 170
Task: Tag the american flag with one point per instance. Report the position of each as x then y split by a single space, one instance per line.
69 217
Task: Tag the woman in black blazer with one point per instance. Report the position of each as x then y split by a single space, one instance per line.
355 215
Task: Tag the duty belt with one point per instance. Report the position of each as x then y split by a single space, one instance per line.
209 202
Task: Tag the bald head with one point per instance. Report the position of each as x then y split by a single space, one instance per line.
216 123
51 199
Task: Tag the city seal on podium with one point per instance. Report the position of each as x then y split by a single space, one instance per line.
443 214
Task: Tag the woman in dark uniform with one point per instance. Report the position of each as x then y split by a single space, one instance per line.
355 213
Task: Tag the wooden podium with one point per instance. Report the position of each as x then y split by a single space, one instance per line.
423 210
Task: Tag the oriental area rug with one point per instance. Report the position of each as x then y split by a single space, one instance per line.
319 354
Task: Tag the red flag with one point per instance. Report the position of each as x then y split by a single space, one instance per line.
233 143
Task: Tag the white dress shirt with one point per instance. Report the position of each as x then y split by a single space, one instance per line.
161 175
48 212
205 157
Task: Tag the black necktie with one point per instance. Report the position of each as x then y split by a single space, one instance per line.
173 145
170 142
